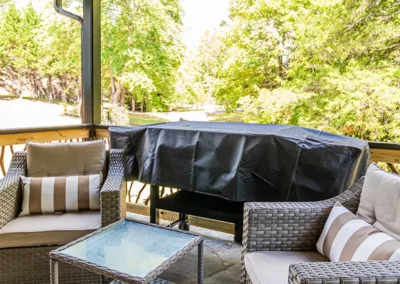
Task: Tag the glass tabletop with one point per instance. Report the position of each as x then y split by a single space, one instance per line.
130 247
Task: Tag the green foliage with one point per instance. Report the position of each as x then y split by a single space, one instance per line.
71 110
142 50
137 118
115 115
330 65
359 104
36 55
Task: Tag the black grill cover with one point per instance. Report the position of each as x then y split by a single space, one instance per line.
243 162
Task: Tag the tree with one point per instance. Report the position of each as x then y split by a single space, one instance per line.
342 72
142 51
39 53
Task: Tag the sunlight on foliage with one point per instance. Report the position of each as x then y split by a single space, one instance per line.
329 65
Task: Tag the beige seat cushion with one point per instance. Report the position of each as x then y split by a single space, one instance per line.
37 230
272 267
66 159
380 199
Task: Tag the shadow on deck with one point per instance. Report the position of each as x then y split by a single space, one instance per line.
221 259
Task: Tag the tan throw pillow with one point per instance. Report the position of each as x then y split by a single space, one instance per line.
345 237
66 159
380 199
49 195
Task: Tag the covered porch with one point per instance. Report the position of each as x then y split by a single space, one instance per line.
223 258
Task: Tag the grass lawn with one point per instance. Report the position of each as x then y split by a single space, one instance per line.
7 96
226 117
137 118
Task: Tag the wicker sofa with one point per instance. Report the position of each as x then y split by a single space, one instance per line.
30 264
279 245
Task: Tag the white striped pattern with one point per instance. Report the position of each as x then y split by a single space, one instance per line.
345 238
369 245
332 217
94 181
49 195
71 194
395 256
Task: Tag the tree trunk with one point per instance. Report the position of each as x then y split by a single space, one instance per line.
61 91
50 88
34 83
42 91
114 91
133 104
116 94
122 95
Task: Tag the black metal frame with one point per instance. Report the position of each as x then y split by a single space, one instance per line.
383 145
91 62
197 204
90 57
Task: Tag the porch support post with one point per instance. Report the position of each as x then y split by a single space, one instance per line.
91 62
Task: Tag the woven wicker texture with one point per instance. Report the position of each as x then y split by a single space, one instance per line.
10 195
290 226
31 265
113 193
345 272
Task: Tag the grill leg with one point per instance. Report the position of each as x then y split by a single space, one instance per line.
200 272
238 232
154 197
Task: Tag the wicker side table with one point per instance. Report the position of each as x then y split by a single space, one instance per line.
130 252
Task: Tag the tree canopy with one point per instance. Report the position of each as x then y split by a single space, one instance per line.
329 65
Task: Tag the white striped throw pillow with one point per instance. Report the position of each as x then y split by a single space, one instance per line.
49 195
345 237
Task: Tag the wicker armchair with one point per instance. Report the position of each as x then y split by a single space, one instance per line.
31 264
294 227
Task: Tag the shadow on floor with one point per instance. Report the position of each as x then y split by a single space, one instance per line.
221 260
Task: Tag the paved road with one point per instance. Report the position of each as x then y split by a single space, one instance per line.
25 113
20 113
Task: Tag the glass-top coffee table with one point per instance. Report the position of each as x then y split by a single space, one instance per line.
129 251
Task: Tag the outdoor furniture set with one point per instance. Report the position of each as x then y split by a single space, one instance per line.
53 195
283 242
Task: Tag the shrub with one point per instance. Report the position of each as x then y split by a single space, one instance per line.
359 103
115 115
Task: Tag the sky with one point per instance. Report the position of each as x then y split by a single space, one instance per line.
199 16
23 3
202 15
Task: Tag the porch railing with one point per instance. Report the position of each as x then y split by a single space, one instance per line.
387 154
